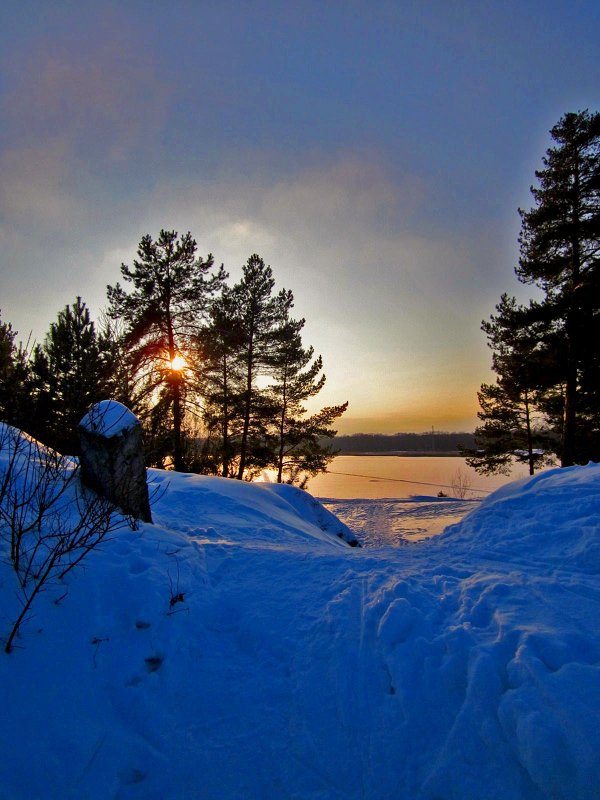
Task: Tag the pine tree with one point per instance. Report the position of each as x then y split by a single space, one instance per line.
297 376
68 376
252 341
15 380
560 246
513 426
311 454
221 383
171 287
257 313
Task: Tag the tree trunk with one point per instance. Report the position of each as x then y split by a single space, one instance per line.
248 406
175 379
281 448
570 407
569 416
281 430
177 449
225 466
529 436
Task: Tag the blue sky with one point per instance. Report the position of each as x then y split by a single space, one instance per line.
374 154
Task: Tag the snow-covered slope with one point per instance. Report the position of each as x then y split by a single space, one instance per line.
239 649
218 507
552 518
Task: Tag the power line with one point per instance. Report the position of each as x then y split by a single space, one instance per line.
404 480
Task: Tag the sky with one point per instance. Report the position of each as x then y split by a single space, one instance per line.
373 153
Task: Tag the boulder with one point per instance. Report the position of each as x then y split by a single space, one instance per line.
112 457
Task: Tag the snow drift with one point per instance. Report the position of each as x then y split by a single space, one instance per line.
238 648
569 499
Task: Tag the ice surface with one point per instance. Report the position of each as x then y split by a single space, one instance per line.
238 648
397 521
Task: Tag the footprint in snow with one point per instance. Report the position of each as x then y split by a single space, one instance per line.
397 622
153 663
137 566
131 775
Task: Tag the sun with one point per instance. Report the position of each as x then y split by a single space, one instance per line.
178 363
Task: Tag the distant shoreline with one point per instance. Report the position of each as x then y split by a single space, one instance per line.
436 443
406 453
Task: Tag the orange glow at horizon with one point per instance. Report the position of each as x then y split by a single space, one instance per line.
451 413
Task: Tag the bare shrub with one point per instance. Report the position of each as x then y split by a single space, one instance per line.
461 483
48 519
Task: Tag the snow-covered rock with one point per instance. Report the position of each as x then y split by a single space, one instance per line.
108 418
112 457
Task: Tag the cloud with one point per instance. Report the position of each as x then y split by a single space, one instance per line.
79 113
34 186
342 222
100 89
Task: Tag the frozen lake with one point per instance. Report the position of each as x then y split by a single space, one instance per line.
392 500
391 476
393 523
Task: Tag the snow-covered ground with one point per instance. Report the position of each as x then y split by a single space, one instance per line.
239 648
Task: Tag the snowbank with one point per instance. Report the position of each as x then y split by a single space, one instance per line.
265 512
553 518
236 649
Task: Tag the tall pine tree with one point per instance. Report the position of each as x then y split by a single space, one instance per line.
69 373
170 290
256 376
560 247
16 404
298 440
257 314
222 385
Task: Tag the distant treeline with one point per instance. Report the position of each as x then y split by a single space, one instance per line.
434 442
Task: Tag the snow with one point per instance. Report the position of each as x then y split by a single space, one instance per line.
570 497
108 418
239 648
